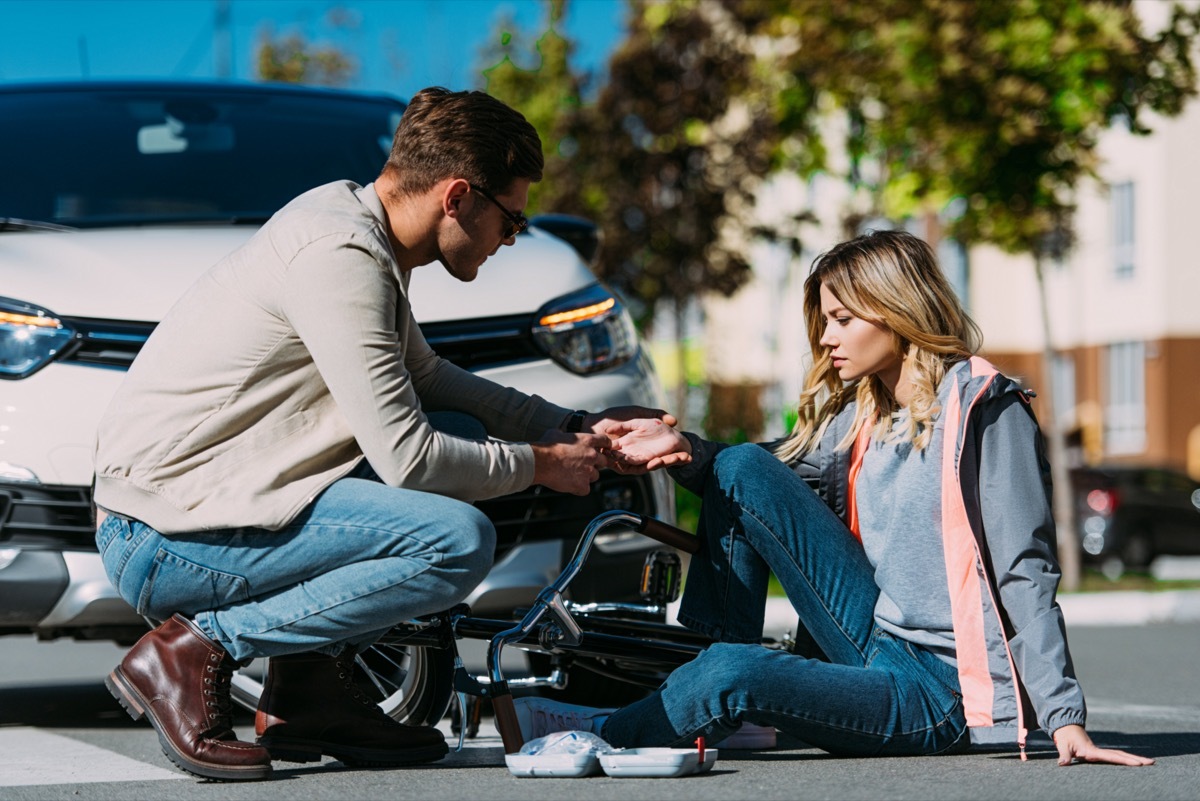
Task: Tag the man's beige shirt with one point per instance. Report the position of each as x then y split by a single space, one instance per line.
285 364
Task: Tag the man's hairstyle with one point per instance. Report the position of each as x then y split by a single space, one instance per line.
470 135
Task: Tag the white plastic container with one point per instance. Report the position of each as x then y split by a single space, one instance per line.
656 763
552 766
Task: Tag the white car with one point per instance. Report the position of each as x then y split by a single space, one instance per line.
115 196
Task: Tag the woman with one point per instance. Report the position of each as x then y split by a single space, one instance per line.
923 565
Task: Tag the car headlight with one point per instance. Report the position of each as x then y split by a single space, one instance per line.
30 337
586 331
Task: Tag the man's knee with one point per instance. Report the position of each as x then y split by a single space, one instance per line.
472 545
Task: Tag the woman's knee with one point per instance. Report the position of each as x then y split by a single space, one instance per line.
725 677
729 664
751 475
742 460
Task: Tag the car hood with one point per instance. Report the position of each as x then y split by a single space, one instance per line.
138 273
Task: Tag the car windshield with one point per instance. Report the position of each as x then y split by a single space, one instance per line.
95 157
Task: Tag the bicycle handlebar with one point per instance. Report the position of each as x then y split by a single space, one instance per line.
667 534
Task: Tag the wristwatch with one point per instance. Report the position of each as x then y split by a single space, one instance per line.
575 421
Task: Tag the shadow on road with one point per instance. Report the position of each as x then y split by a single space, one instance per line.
1165 744
73 706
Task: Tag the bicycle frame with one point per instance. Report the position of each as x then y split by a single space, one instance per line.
556 626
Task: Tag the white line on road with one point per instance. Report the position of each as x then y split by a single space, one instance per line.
1109 707
29 757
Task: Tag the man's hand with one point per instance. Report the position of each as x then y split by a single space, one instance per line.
569 462
601 422
646 444
1074 745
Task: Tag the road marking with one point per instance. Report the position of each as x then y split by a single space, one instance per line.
29 757
1105 706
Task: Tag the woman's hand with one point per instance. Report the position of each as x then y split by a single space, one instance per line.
647 444
1074 744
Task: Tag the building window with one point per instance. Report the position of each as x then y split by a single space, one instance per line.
1125 404
1123 229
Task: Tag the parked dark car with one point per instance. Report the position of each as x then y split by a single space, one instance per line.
1127 516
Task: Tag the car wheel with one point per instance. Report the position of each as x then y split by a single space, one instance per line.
1136 553
412 684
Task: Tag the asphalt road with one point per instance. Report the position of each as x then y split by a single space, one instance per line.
63 737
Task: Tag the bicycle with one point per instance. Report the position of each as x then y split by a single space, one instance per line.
415 670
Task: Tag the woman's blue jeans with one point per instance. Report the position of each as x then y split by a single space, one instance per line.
361 558
877 694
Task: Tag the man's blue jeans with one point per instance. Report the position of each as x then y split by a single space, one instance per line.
877 694
361 558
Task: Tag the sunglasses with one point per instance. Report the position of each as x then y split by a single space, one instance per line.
517 222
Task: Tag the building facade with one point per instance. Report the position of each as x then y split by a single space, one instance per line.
1123 305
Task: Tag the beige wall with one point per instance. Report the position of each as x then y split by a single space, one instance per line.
1172 396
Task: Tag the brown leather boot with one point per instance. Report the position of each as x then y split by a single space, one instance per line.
179 679
311 705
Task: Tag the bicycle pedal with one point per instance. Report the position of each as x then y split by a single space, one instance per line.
661 577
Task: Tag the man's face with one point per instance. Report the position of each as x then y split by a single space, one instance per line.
482 225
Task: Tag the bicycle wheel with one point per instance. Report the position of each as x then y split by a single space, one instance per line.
411 683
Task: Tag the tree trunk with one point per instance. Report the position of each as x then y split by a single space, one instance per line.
1064 503
681 355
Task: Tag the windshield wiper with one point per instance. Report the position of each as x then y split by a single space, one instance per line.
17 224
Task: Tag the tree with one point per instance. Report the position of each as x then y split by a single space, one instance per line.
548 94
667 159
291 58
993 110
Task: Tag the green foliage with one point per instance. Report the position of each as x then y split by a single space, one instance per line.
548 93
991 109
292 59
668 155
687 509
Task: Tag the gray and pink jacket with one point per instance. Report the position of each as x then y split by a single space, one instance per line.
999 544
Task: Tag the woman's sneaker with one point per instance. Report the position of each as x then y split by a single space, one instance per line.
541 716
749 737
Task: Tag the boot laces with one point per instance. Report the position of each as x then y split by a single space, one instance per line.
217 682
345 667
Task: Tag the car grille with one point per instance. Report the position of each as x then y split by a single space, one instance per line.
470 344
46 516
56 517
60 517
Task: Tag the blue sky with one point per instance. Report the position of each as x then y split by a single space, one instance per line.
401 45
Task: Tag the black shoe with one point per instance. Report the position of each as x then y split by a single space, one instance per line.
311 705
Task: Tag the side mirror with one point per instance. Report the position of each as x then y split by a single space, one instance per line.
581 234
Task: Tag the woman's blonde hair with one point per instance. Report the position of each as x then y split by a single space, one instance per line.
892 279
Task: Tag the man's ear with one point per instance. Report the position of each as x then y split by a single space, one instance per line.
452 196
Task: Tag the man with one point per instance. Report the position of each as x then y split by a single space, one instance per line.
268 481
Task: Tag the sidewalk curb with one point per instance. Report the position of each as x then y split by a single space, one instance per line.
1124 608
1130 608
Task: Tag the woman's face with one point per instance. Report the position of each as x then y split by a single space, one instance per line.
858 347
